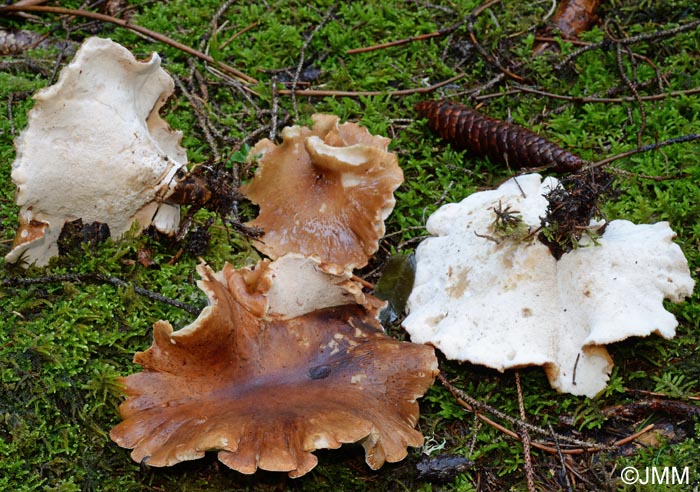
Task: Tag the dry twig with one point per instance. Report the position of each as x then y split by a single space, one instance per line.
478 407
525 437
134 27
646 148
642 408
632 87
589 99
399 42
401 92
562 461
102 279
653 36
302 57
202 118
472 36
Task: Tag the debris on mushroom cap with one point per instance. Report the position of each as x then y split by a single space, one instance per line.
325 191
266 393
96 149
495 295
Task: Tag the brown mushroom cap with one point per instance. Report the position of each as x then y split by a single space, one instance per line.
268 392
324 191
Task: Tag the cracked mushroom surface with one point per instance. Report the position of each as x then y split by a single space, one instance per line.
96 149
488 292
265 393
324 190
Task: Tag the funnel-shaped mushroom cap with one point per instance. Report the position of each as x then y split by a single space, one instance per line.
96 149
267 392
509 303
324 191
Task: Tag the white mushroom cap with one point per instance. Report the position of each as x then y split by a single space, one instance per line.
510 304
294 285
95 148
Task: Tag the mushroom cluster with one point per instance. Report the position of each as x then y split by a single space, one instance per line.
324 190
489 292
289 356
270 372
96 149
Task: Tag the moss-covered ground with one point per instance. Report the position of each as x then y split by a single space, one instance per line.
63 344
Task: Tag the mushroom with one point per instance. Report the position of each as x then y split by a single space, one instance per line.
294 285
96 149
266 389
496 296
324 190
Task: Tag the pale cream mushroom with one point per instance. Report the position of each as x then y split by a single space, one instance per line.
294 285
96 149
265 389
324 191
502 300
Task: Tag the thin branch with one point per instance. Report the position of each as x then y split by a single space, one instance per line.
100 278
646 148
621 70
401 92
477 407
474 405
10 117
302 57
632 437
219 12
472 36
28 3
400 42
585 99
657 394
653 36
199 112
549 39
562 461
275 109
134 27
525 437
238 34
